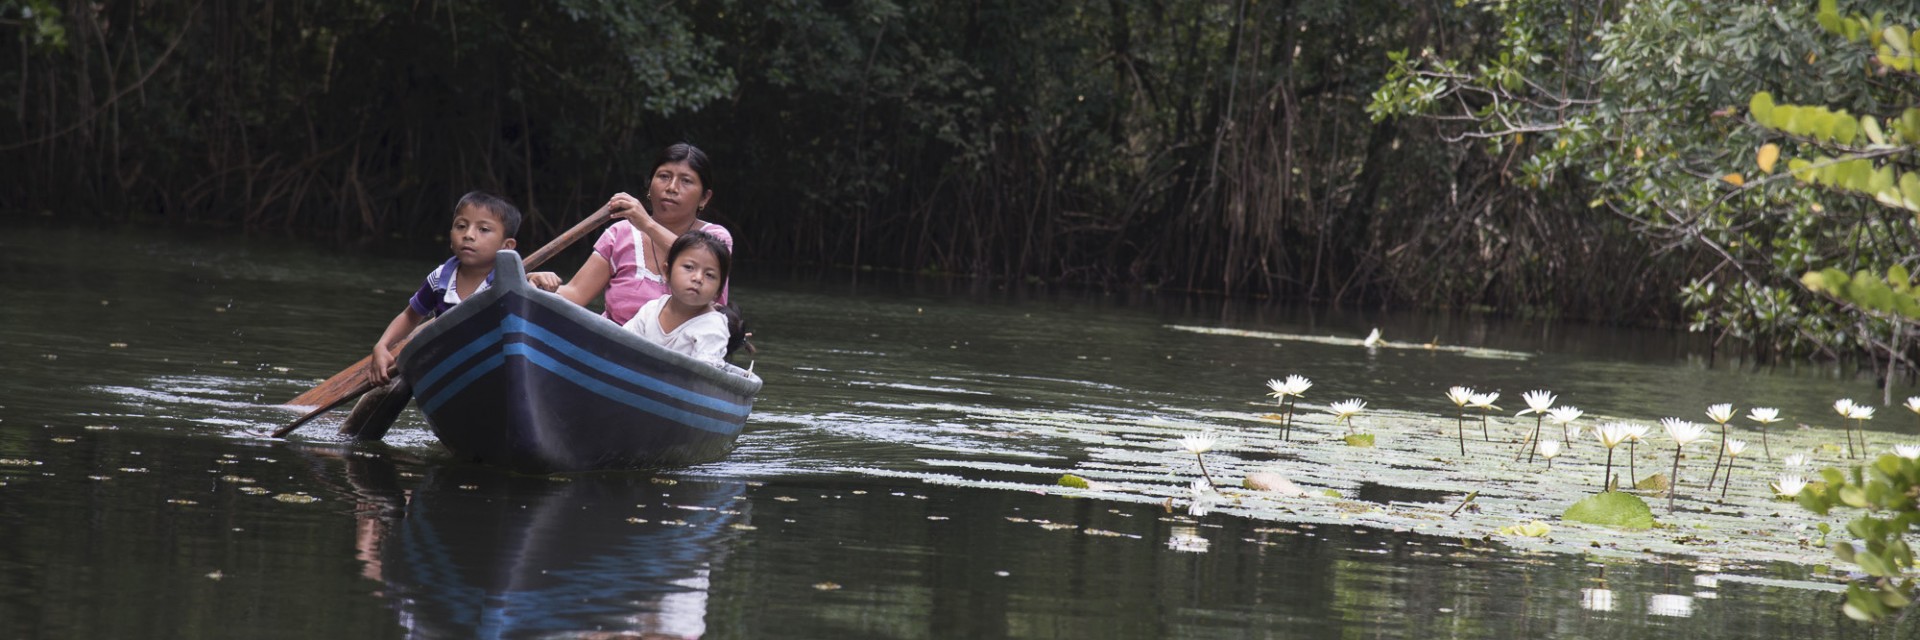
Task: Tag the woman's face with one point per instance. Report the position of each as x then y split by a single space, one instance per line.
677 192
694 277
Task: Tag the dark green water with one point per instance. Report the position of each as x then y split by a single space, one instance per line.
141 498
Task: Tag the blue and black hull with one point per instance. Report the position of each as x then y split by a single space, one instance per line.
522 378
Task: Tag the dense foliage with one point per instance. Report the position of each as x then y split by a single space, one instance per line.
1648 117
1207 145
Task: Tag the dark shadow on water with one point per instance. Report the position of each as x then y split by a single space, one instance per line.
1385 494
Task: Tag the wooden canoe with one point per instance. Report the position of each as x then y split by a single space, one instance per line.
524 379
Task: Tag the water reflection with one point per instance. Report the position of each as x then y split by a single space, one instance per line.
483 554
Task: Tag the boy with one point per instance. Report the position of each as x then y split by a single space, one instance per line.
483 224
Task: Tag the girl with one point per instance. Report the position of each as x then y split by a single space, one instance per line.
685 319
629 262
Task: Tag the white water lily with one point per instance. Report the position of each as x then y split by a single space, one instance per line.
1461 396
1203 496
1373 339
1549 449
1789 485
1796 460
1913 404
1293 386
1765 416
1345 410
1683 433
1484 400
1537 402
1638 432
1733 449
1198 443
1908 451
1564 415
1859 413
1613 433
1720 413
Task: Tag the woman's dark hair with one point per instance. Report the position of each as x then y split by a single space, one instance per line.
692 155
509 215
691 239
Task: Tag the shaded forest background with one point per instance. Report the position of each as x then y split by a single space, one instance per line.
1206 145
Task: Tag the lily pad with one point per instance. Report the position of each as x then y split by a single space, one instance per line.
1070 480
1656 483
1612 509
1535 529
1360 440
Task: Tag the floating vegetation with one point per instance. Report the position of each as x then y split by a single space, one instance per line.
100 427
64 440
1535 529
19 462
1471 352
236 479
1612 509
827 586
255 491
182 502
1140 459
637 520
296 498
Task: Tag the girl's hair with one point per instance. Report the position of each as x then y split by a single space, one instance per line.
736 329
692 155
691 239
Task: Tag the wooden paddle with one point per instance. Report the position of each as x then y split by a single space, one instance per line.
357 379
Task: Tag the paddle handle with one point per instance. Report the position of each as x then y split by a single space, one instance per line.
356 379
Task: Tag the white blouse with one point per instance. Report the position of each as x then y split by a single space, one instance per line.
703 336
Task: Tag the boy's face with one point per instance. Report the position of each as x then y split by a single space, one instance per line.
694 277
476 235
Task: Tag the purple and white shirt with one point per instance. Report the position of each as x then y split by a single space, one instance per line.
439 293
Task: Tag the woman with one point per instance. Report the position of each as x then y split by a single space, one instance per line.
628 261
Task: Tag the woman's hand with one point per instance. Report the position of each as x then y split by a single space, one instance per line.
544 280
626 207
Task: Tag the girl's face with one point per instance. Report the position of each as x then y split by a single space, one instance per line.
694 277
676 191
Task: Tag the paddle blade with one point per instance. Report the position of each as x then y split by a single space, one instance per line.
352 380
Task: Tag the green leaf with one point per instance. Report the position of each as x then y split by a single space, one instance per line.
1761 107
1871 563
1611 509
1871 126
1070 480
1360 440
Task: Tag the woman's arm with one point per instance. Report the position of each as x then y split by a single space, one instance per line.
587 283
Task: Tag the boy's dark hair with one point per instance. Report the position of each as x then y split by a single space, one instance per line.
509 215
736 329
692 155
721 253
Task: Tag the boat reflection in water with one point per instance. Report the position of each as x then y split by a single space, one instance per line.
481 553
